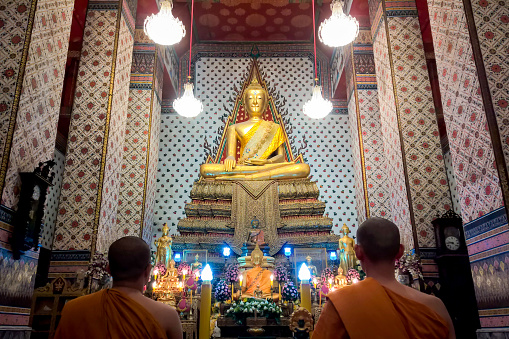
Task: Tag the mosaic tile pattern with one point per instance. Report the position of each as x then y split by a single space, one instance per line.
184 143
425 166
14 21
51 210
400 211
492 22
337 65
108 230
39 106
78 200
360 200
472 156
451 178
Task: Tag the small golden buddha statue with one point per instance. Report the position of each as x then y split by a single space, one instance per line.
311 267
340 280
196 265
163 251
257 278
347 256
261 146
171 273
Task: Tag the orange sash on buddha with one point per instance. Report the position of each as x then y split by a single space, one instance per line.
369 310
107 314
256 276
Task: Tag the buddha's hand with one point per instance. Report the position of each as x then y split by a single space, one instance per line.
257 162
229 163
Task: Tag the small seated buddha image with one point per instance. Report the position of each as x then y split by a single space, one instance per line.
340 280
257 279
172 272
261 146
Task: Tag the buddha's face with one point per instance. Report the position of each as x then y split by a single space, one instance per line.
257 259
308 259
255 101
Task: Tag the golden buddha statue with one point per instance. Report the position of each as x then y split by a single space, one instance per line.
340 280
257 279
196 265
172 272
163 251
261 146
347 256
311 267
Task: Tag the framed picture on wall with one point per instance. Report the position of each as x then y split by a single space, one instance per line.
318 258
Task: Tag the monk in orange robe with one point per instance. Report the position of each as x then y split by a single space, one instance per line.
379 306
122 311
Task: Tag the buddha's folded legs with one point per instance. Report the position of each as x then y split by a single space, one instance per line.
286 170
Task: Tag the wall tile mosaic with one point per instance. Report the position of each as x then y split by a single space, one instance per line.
42 89
492 23
184 143
451 178
472 156
50 213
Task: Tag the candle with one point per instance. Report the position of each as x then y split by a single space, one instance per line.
184 272
271 280
156 271
279 285
330 282
314 283
240 280
232 293
320 297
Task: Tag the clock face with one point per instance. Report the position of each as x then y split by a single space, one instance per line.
452 243
36 193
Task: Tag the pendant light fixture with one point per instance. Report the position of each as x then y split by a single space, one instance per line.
317 107
187 105
163 28
340 29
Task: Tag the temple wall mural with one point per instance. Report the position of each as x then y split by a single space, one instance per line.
325 144
41 91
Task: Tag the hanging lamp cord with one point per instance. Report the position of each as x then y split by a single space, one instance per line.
190 41
314 40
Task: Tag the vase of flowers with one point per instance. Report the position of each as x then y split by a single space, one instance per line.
353 276
231 273
408 268
222 293
97 272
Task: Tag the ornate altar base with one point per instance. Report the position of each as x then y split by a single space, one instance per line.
271 329
226 212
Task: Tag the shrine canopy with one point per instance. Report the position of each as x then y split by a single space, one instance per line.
239 115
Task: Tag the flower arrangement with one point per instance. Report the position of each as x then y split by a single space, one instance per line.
222 291
246 308
97 267
327 274
289 292
352 276
409 263
281 273
231 273
160 268
183 266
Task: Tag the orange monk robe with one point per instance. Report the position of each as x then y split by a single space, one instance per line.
369 310
107 314
254 277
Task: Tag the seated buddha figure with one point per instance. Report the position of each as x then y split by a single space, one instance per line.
261 146
257 278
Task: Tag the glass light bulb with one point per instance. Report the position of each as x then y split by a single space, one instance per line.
317 107
163 28
206 274
340 29
304 274
187 105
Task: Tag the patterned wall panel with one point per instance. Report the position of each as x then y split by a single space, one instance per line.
478 184
360 198
184 143
425 166
400 211
451 177
34 136
108 230
492 22
51 210
17 278
336 68
14 18
91 121
136 198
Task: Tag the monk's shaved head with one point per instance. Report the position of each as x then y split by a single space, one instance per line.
379 239
128 258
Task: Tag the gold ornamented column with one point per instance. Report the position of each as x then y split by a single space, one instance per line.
418 184
141 146
364 116
91 181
